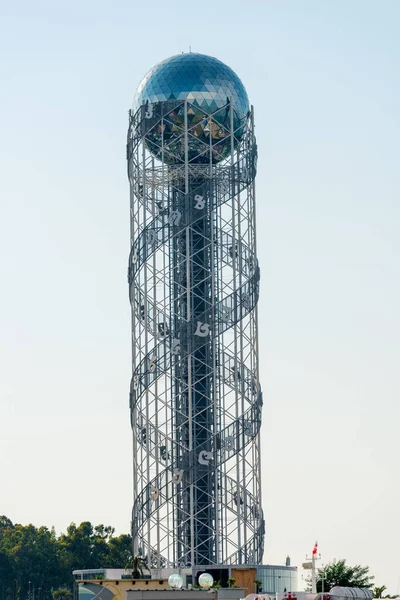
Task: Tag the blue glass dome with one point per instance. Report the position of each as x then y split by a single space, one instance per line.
203 80
212 89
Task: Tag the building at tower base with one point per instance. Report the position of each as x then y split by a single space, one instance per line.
117 584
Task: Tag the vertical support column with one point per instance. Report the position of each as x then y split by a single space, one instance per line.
189 357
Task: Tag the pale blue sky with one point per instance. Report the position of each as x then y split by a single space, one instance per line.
324 79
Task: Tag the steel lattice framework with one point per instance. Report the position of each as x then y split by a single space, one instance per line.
195 396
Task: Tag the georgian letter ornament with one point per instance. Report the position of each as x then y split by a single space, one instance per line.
224 187
229 443
203 329
176 347
149 111
226 314
204 457
151 237
174 217
246 301
177 476
135 383
200 202
152 364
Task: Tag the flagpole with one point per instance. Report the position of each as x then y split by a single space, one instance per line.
313 578
314 558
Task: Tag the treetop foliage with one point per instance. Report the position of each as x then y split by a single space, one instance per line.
340 573
37 555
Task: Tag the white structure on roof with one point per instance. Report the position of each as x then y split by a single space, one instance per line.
348 593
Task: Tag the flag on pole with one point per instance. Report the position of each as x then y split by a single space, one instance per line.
315 548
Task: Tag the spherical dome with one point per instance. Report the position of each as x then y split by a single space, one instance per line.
203 80
211 88
175 581
206 580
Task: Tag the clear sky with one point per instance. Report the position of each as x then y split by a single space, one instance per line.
324 79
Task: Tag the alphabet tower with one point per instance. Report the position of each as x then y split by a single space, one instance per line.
195 397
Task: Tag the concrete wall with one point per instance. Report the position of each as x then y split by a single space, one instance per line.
168 595
153 589
222 594
116 589
119 586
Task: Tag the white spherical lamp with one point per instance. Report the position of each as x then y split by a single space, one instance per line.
206 580
175 581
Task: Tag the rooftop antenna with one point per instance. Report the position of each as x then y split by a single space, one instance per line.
190 49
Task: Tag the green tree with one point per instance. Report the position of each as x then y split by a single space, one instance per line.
339 573
31 556
378 591
5 523
119 551
6 563
137 564
83 547
62 594
36 559
6 571
104 532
